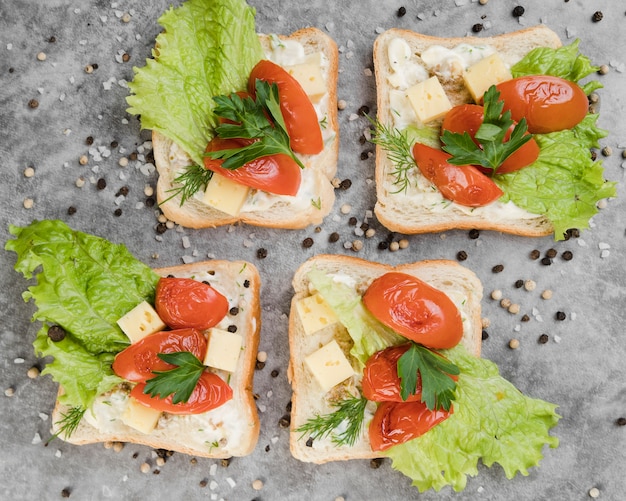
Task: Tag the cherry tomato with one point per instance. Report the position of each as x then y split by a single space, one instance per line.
415 310
381 382
298 111
140 359
468 118
184 302
548 103
210 392
278 174
463 184
398 422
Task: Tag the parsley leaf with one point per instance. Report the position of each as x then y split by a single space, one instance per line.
260 120
434 371
180 381
351 409
493 149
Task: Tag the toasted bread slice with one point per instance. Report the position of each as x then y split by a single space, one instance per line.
316 195
421 209
309 399
229 430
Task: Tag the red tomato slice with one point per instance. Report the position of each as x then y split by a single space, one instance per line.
415 310
210 392
184 302
398 422
381 382
278 174
140 359
463 184
468 118
548 103
298 111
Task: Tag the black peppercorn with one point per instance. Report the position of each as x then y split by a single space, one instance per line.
56 333
401 11
307 242
117 212
161 228
551 253
345 184
333 237
261 253
597 16
71 210
518 11
519 284
284 421
309 442
497 268
461 255
484 335
560 315
352 221
546 261
535 254
474 234
364 110
383 245
477 28
375 463
234 311
543 339
232 328
567 255
274 373
620 421
101 184
246 283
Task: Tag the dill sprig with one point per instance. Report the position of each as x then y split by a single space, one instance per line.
351 410
398 147
192 180
69 422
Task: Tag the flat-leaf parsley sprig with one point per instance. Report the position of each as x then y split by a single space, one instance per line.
179 381
493 149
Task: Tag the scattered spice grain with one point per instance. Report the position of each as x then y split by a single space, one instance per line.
261 253
307 242
597 16
543 339
534 254
401 11
461 255
497 268
333 237
560 315
514 344
518 11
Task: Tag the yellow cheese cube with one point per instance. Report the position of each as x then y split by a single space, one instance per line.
309 76
225 195
223 350
329 365
429 100
140 322
315 313
489 71
140 416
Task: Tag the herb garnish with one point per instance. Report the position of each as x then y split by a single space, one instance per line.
69 421
493 149
434 371
192 180
251 121
180 381
398 147
351 410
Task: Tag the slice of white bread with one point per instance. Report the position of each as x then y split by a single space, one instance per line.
316 195
309 399
419 210
229 430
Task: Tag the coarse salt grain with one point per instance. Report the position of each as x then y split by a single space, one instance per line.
213 469
213 485
36 439
186 242
231 482
557 339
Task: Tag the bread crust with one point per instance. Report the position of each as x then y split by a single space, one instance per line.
308 400
283 213
241 381
405 215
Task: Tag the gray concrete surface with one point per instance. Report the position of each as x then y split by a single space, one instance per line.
581 367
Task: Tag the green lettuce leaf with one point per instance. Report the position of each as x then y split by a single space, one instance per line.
207 48
492 420
565 62
83 284
564 183
368 334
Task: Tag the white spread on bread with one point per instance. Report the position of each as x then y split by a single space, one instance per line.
408 69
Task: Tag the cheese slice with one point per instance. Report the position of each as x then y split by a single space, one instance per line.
223 350
225 195
329 365
140 322
315 314
429 100
309 76
140 416
489 71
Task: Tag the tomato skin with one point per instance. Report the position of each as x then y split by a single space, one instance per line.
210 392
548 103
395 423
138 361
380 381
468 118
186 303
298 112
278 174
414 310
463 184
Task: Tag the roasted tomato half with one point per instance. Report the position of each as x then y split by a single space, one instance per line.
187 303
548 103
398 422
298 112
463 184
138 361
415 310
210 392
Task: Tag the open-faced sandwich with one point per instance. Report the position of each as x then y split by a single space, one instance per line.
384 361
487 133
163 357
244 125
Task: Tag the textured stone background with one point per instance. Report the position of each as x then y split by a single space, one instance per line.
581 367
